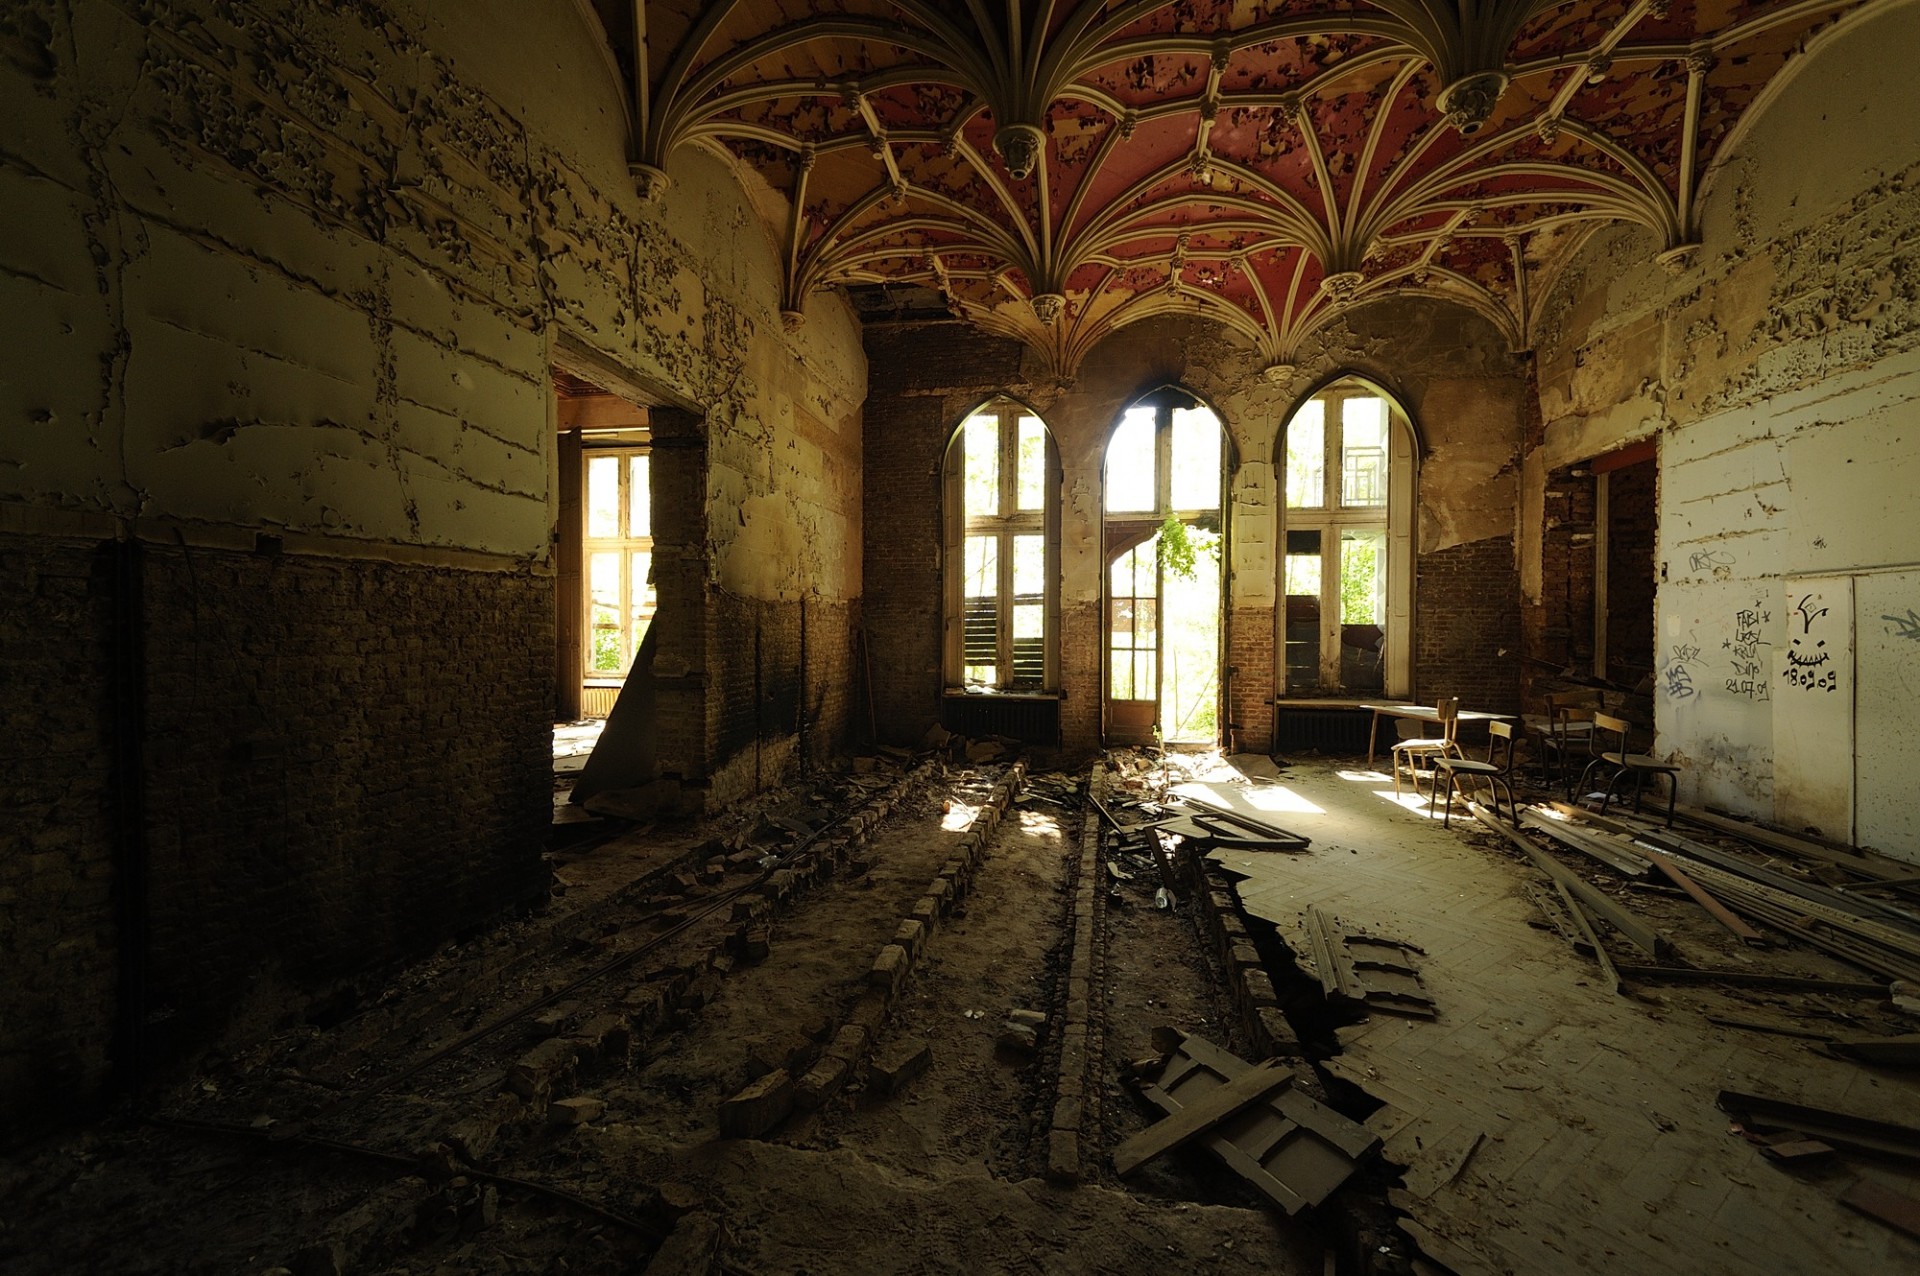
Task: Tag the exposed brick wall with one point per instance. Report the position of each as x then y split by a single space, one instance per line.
347 762
1080 656
1250 667
1559 630
900 570
1631 520
1467 625
57 931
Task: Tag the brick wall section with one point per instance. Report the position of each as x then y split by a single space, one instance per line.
1250 668
1080 656
1559 630
905 438
1631 520
1467 625
56 829
347 762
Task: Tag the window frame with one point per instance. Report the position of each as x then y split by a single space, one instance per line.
626 546
1392 517
1009 522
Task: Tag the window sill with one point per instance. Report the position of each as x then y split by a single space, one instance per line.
963 693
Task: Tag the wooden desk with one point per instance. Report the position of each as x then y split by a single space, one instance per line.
1424 713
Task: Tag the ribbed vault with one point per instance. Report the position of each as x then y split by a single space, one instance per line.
1058 170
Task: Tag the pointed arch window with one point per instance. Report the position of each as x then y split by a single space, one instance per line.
1346 570
1002 496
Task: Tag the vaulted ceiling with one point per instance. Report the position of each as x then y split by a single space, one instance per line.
1058 170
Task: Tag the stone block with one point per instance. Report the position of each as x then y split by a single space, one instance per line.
541 1069
1063 1156
758 1108
579 1110
910 935
893 1069
889 969
821 1082
851 1044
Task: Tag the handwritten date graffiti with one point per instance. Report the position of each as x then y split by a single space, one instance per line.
1749 678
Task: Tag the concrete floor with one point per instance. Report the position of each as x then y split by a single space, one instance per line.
1549 1123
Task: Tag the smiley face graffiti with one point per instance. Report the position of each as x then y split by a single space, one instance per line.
1809 664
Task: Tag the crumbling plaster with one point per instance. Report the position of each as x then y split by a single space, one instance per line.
1779 370
299 272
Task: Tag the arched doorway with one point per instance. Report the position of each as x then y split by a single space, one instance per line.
1165 554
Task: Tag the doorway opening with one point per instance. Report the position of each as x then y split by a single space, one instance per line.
1165 550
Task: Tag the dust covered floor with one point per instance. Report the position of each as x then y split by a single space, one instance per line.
547 1097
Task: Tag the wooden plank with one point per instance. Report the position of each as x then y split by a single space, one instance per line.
1305 1150
1641 935
1628 863
1718 911
1196 1118
1895 1209
1586 928
1787 843
1753 979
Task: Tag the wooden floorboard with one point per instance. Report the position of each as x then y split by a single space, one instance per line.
1603 1149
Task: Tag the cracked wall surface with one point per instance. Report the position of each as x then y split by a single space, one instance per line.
284 284
1780 372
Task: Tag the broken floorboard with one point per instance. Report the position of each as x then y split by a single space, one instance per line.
1378 972
1294 1150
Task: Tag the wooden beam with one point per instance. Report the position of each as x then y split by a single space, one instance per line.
1201 1116
1641 935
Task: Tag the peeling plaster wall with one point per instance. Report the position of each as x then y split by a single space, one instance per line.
1449 369
289 276
1780 372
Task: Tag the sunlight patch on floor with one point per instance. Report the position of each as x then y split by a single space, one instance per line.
1365 777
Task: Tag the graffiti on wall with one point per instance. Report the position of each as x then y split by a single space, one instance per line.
1676 676
1810 664
1748 672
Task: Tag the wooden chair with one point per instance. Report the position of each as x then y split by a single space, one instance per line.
1566 736
1624 763
1498 775
1418 740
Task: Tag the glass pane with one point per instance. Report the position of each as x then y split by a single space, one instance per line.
603 577
640 495
1146 616
1307 457
1363 578
1144 685
603 496
1130 485
1302 632
981 436
1029 621
1363 610
1122 636
1029 566
1196 460
1363 452
1033 464
1122 676
983 567
606 652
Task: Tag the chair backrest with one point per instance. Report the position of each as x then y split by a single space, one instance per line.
1412 728
1448 707
1500 739
1616 726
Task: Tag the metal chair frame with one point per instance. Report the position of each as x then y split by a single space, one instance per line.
1638 765
1498 775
